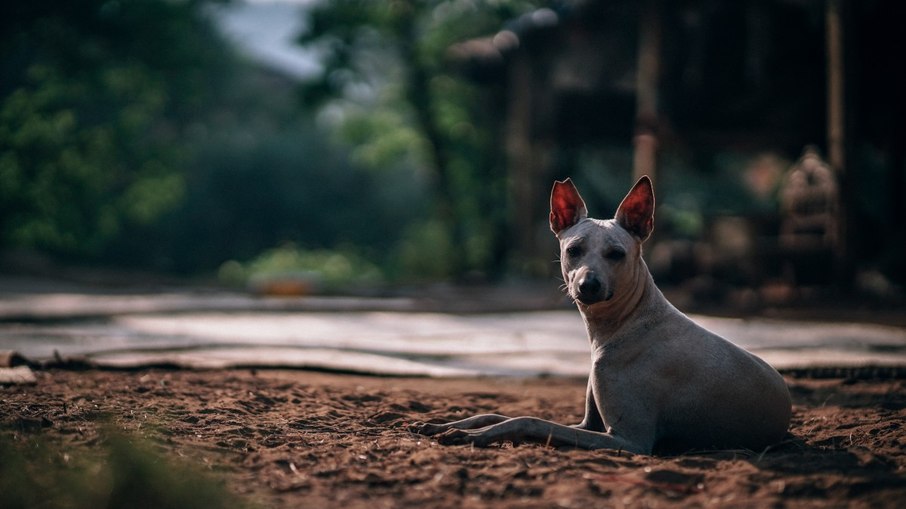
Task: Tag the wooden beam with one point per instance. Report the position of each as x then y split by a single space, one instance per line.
836 153
836 136
645 140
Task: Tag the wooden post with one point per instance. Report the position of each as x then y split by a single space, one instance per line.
645 141
835 84
836 132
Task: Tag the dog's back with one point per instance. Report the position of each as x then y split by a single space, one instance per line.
722 396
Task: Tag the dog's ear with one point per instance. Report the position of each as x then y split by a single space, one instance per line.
636 212
567 207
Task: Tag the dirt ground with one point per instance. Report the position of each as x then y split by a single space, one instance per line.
305 439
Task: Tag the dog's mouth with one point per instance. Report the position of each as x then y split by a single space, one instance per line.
591 298
588 301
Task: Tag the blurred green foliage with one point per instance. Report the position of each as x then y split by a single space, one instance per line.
131 134
96 103
118 473
248 191
388 88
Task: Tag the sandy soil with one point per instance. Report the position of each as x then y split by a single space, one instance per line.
303 439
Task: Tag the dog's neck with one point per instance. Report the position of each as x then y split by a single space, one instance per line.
606 321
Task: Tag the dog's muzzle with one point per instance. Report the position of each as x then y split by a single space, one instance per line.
589 290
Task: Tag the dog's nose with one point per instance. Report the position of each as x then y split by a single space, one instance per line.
589 286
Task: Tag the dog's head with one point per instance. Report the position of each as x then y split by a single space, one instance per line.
601 258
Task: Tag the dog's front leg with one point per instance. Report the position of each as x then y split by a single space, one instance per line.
478 421
533 429
592 420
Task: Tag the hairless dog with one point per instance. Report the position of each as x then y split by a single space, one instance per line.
658 379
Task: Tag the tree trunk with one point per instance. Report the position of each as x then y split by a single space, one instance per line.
419 95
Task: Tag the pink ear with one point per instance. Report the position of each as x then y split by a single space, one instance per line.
567 207
636 213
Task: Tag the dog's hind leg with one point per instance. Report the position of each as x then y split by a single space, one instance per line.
478 421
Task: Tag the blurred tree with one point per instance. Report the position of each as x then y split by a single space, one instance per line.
249 189
388 89
99 100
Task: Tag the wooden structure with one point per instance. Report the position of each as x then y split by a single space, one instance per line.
695 77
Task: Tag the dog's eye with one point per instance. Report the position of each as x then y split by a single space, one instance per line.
615 255
573 251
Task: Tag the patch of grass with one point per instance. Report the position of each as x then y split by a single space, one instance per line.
319 269
119 473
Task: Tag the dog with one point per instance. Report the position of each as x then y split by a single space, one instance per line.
658 380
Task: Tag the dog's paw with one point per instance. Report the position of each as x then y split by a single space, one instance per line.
426 428
462 437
